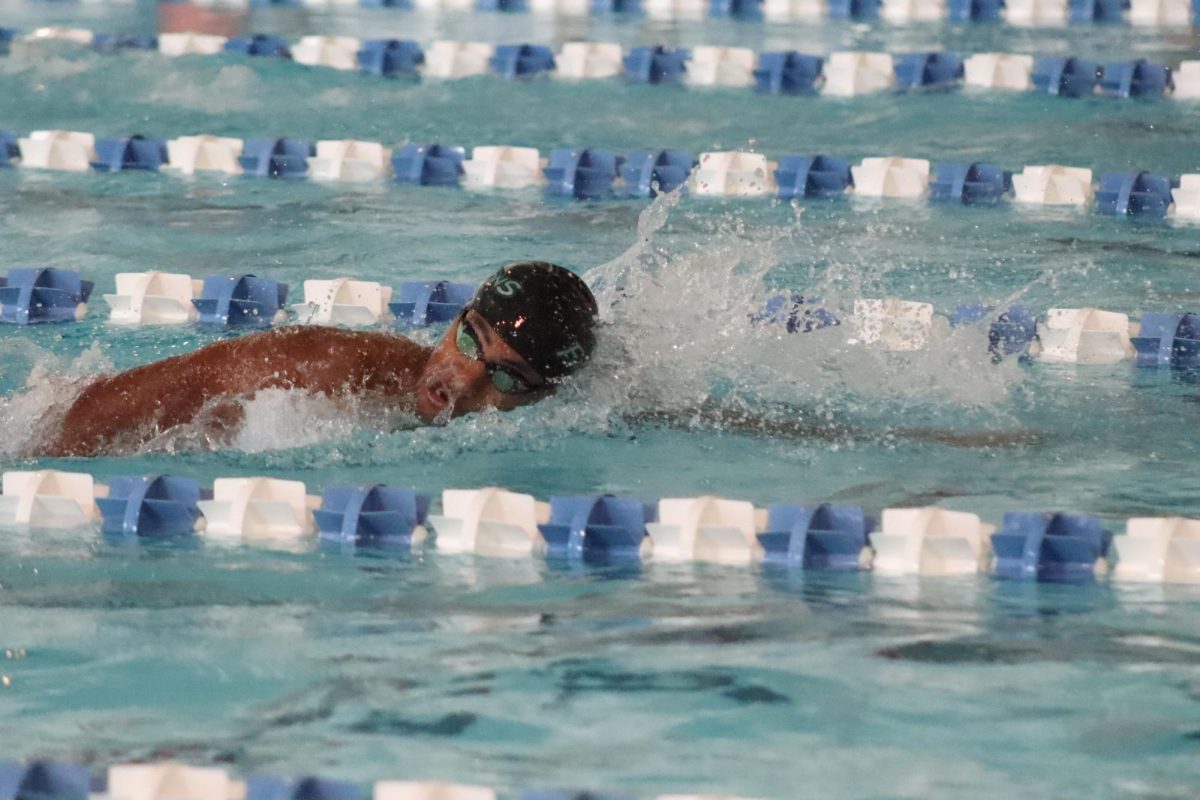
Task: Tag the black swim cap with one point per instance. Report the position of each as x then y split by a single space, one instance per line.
544 312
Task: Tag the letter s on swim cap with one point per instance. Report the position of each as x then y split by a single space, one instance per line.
544 312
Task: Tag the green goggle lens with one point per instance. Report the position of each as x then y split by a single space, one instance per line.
502 379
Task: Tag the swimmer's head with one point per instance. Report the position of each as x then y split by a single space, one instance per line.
544 312
528 326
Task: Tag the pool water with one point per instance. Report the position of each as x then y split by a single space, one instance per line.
664 678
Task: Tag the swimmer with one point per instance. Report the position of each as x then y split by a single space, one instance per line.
528 326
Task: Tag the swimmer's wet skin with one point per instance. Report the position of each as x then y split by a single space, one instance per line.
528 326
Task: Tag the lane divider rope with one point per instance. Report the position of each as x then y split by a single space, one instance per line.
840 74
494 522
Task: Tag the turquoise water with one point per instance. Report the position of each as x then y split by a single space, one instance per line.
672 678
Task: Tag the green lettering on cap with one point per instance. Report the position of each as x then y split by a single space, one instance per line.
570 356
506 286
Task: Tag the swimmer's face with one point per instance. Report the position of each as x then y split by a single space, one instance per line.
471 369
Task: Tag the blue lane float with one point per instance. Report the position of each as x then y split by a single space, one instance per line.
44 780
975 10
10 148
151 506
1106 11
32 296
1065 77
586 174
1137 78
260 44
1012 333
428 164
1168 340
116 42
1133 194
1049 546
970 184
657 64
311 787
787 73
1009 334
646 173
737 9
522 60
507 6
130 153
824 536
276 158
927 70
420 304
858 10
390 58
605 7
795 312
812 176
603 526
375 514
240 300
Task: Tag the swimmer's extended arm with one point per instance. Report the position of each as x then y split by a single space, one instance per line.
121 412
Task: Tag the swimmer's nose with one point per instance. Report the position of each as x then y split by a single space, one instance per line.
468 372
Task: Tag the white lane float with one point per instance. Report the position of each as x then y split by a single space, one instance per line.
893 324
60 34
999 71
853 73
71 151
561 8
1187 81
1054 185
706 528
258 509
732 174
350 160
190 44
1161 13
1159 549
902 11
580 60
49 499
343 301
334 52
795 10
721 66
191 154
891 176
1186 198
930 541
1036 13
444 5
167 781
503 168
153 298
1082 336
491 522
675 9
451 60
431 790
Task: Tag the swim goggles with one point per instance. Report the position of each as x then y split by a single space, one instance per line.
502 377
